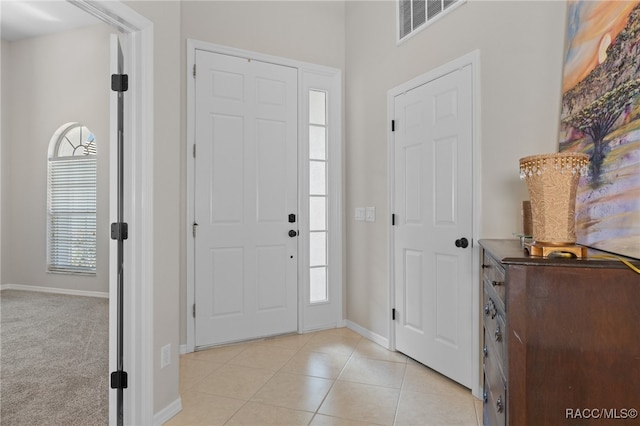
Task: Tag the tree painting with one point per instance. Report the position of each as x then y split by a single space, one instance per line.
597 119
600 116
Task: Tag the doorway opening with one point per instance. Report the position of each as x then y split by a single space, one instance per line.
136 33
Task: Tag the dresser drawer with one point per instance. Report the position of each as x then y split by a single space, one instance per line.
494 334
492 415
493 276
495 390
495 328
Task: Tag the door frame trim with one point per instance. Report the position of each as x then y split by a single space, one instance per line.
305 70
471 59
139 118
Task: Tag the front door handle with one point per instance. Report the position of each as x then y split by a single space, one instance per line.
292 233
462 243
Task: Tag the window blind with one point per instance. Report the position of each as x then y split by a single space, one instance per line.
71 205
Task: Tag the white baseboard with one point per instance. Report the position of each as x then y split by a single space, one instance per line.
382 341
164 415
184 349
40 289
321 327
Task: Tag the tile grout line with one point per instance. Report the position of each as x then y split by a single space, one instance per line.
334 382
272 376
299 350
257 390
404 376
221 366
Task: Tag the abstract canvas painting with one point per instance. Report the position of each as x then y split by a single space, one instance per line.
600 116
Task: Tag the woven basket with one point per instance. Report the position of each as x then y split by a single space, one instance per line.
552 180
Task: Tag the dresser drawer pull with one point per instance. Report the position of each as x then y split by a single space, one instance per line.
496 283
497 334
485 351
490 309
499 404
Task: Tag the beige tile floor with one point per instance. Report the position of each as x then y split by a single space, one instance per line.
333 377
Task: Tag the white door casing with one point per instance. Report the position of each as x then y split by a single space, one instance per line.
245 189
432 189
310 77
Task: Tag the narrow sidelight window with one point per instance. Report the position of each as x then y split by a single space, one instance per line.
318 229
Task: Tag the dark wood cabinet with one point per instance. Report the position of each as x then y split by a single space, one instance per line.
561 338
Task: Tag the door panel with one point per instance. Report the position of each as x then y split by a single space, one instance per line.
271 267
413 290
413 184
245 188
445 166
433 205
272 170
226 269
446 299
227 169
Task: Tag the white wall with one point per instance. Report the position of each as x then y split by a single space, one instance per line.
50 81
165 16
310 31
521 47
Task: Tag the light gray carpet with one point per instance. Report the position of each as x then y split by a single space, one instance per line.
54 352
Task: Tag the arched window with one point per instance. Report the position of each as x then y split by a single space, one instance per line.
71 201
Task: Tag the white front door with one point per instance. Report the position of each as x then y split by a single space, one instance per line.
433 213
245 191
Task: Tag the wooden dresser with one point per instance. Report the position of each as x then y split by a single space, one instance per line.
561 339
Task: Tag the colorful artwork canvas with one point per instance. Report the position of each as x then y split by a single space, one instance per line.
600 116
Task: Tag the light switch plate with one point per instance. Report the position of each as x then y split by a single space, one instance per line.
360 214
370 214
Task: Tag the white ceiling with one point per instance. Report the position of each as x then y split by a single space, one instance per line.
26 18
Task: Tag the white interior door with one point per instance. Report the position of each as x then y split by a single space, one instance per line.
245 189
433 211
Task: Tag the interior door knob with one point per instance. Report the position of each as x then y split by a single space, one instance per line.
462 243
292 233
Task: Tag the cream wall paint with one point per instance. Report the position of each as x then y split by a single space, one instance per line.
51 80
307 31
521 47
167 67
310 31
